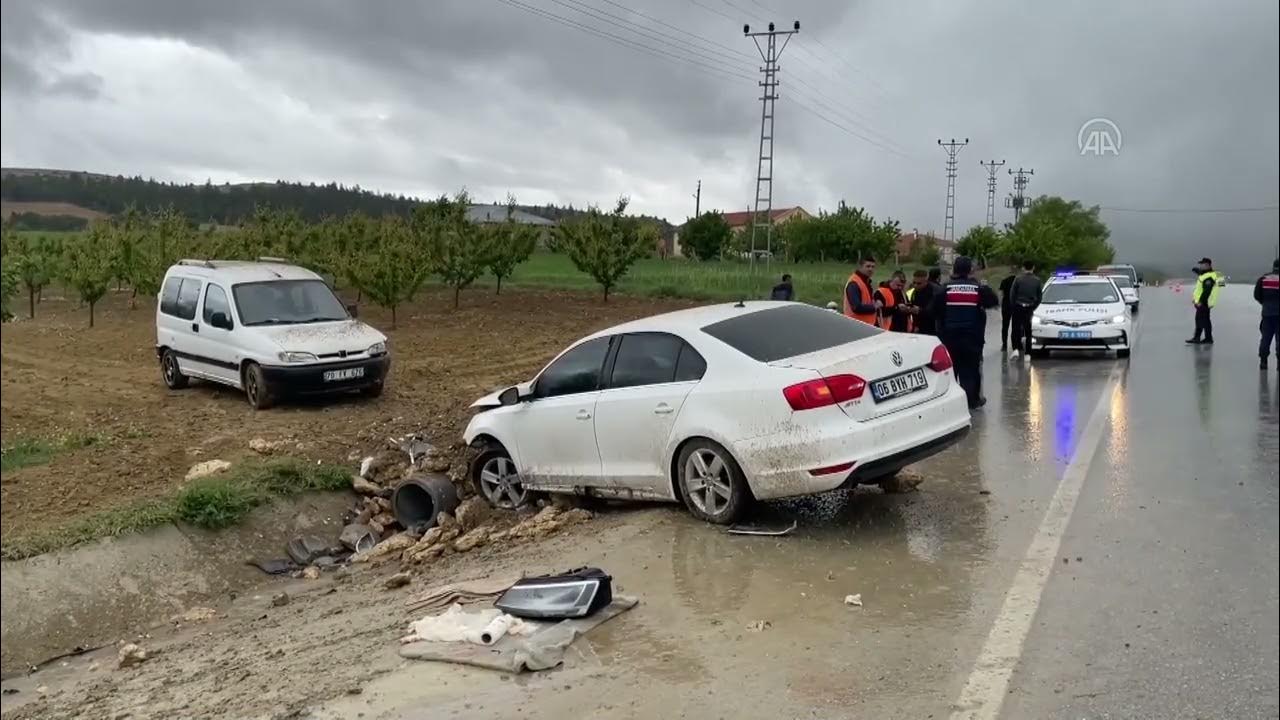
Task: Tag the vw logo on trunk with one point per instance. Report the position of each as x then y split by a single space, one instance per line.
896 357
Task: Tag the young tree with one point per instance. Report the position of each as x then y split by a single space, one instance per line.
930 255
167 236
706 236
508 244
89 264
604 246
454 247
392 268
1070 233
980 243
30 261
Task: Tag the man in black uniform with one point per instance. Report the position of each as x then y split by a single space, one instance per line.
960 313
1006 311
783 290
1267 292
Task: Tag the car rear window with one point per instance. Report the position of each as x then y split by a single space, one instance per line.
784 332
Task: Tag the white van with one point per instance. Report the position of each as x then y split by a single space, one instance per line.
266 327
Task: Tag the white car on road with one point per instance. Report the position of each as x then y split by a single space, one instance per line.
1081 312
1128 290
717 406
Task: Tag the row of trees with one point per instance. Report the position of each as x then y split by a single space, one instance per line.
1052 232
386 259
846 235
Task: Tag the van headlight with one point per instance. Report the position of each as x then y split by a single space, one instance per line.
1037 320
292 356
378 348
1118 320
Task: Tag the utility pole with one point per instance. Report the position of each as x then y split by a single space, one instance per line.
952 148
992 167
697 201
762 226
1018 200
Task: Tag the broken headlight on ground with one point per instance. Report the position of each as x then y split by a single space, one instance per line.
577 593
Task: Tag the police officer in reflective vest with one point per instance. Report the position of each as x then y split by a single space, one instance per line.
1204 296
1267 292
960 312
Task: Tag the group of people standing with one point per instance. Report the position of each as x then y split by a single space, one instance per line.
955 311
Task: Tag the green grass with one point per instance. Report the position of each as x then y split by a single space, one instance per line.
214 502
30 451
816 283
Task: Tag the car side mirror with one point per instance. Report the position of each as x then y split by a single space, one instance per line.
1139 278
353 310
220 320
510 396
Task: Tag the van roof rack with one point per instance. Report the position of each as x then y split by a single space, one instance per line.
197 262
265 258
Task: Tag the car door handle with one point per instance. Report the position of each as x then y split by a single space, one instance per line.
195 327
583 415
663 409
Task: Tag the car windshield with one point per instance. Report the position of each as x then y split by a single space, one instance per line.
784 332
1122 281
1073 293
286 302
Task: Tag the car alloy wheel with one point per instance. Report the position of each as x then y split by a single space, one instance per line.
170 370
500 483
707 482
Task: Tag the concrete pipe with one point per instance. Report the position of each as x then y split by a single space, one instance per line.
421 498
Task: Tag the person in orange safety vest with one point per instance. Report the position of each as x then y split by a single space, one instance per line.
859 298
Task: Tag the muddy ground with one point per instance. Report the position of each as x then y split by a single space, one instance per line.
59 376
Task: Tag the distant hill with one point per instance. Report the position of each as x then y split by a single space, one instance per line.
50 191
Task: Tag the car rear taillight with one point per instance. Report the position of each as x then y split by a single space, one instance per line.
824 392
941 359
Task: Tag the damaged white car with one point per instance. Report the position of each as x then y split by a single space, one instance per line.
717 406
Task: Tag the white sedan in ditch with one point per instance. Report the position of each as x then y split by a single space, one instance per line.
717 406
1082 312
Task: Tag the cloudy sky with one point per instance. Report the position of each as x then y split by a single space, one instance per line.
646 97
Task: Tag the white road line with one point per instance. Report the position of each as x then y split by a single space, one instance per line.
988 684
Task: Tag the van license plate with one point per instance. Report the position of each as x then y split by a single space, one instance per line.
903 384
1077 334
344 374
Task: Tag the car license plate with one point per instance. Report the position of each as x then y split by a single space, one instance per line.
1076 334
343 374
891 387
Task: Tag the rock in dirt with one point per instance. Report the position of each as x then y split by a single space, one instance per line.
358 537
365 487
197 615
386 467
445 520
280 599
472 539
306 548
131 654
575 516
311 572
434 542
398 580
386 549
264 447
905 481
759 626
854 600
473 512
207 468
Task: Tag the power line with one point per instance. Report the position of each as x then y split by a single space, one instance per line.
729 50
1261 208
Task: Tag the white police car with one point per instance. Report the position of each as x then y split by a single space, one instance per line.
1128 290
1081 312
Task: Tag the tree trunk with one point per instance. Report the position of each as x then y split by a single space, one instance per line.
393 317
133 299
91 312
31 303
359 295
606 293
457 291
499 292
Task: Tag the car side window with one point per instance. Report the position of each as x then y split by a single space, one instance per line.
691 365
188 299
169 295
645 359
215 301
576 371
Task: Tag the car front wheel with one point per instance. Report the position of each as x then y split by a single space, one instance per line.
711 483
496 479
256 389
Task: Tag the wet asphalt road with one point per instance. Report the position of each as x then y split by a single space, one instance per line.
1159 602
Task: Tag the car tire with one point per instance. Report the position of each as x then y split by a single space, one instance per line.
256 389
171 373
711 483
1122 354
496 479
1135 307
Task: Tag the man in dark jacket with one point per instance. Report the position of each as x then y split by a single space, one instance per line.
921 300
960 312
783 290
1006 311
1267 292
1024 295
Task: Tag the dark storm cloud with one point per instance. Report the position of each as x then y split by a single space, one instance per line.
430 96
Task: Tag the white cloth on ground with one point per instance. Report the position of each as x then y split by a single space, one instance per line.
479 627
